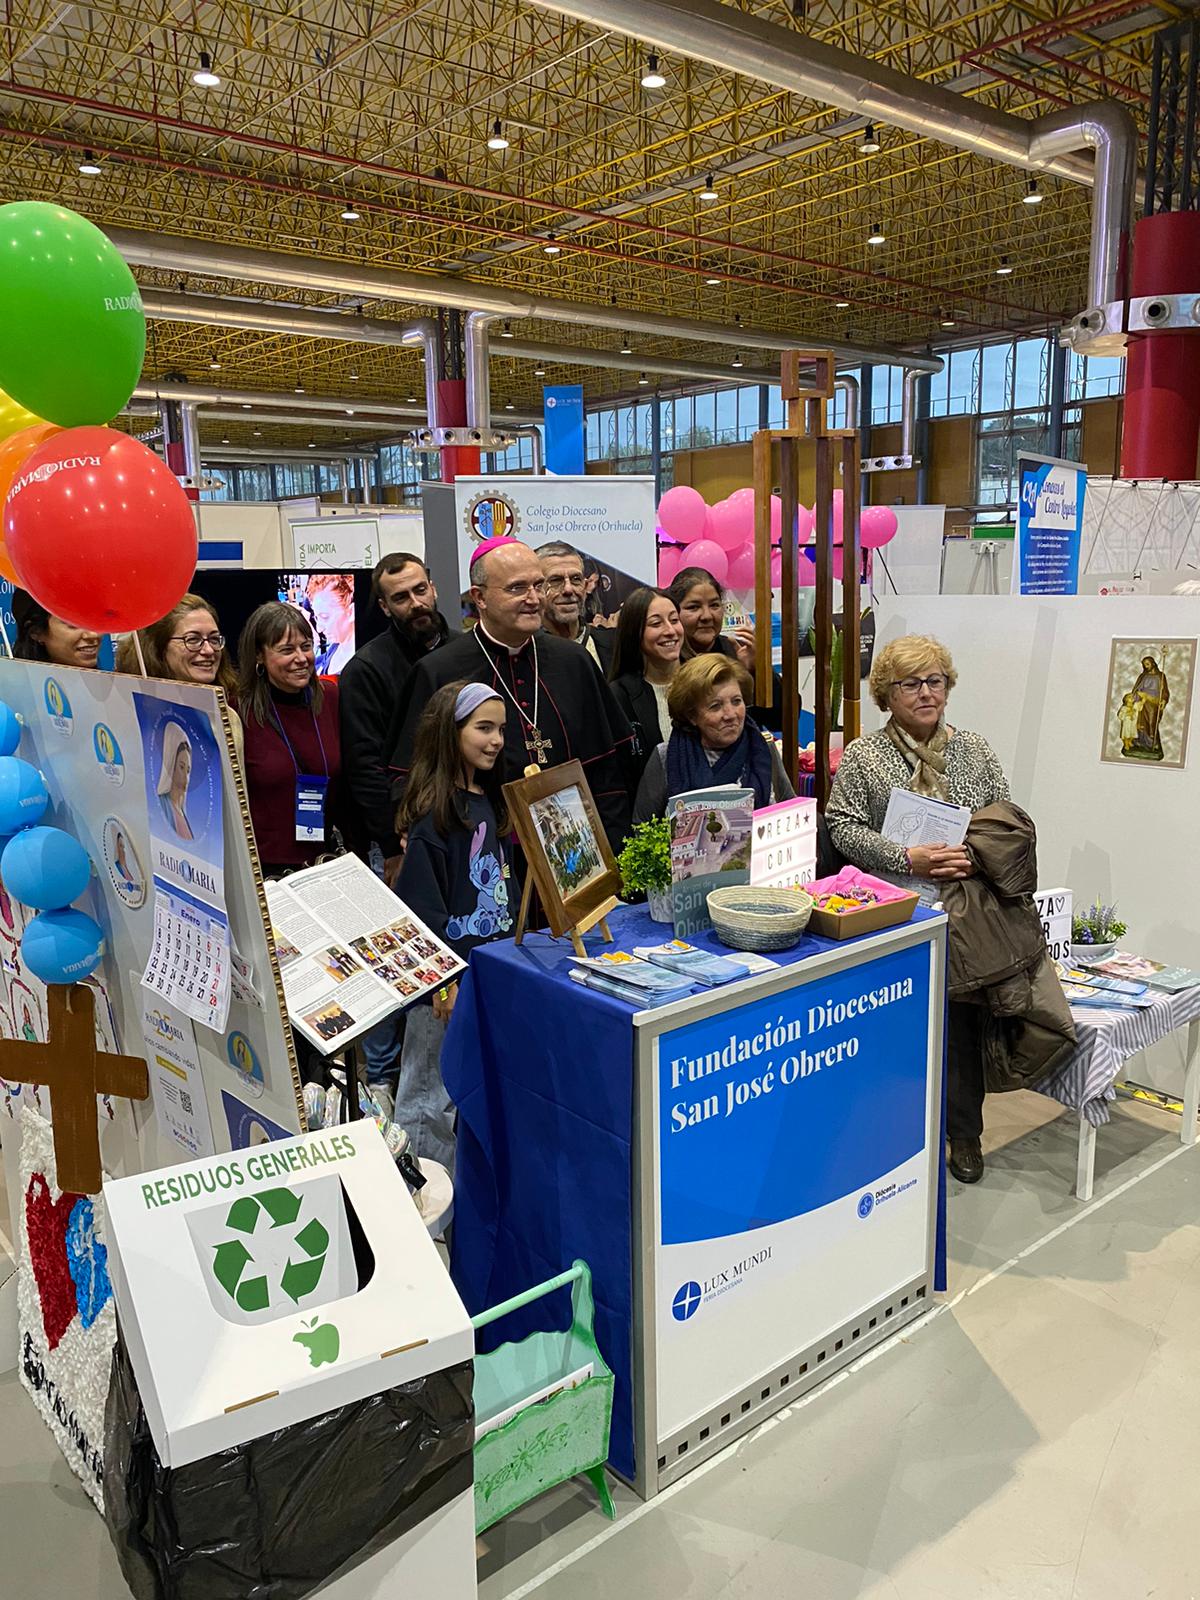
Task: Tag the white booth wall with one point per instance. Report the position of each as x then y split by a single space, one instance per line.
1033 677
263 527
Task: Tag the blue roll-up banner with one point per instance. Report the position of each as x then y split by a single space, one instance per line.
564 429
1049 525
793 1172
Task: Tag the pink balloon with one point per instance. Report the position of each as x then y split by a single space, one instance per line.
804 524
709 555
837 564
731 523
670 559
741 568
806 573
683 514
879 524
662 536
776 519
776 568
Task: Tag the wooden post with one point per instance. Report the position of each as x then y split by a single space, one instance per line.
851 590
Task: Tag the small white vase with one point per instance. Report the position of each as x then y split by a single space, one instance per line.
659 901
1091 954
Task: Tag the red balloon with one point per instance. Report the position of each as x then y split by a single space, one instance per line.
99 530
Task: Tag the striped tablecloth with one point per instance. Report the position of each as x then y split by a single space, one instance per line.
1106 1041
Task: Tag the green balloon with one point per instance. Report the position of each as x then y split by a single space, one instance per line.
72 327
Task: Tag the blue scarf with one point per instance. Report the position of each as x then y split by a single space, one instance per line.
748 763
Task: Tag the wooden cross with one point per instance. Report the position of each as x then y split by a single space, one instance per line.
807 384
74 1072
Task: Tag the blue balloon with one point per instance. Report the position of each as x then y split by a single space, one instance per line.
23 794
10 730
45 868
62 946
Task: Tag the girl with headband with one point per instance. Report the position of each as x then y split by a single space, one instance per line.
454 877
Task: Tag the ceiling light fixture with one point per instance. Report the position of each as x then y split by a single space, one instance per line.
214 365
349 411
948 321
876 235
354 377
841 305
552 246
312 444
869 143
712 282
643 380
245 405
626 347
349 214
539 372
509 405
709 192
224 441
1033 196
412 400
89 166
299 389
258 433
506 331
652 78
1004 270
496 140
737 360
204 77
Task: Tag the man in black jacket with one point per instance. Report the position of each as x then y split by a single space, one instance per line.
564 601
371 688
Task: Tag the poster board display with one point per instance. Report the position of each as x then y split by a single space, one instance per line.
610 520
1050 498
210 1089
334 543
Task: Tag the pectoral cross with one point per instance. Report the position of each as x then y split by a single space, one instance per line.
536 745
74 1072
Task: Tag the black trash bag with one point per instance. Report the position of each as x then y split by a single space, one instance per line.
272 1519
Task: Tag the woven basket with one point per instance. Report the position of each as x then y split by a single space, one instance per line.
749 918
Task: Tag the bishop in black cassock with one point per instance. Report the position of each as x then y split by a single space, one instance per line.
558 707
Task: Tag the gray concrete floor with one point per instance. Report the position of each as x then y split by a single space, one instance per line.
1034 1438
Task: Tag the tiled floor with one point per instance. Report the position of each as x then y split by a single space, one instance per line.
1033 1439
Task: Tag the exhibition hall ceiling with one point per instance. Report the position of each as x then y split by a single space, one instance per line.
385 111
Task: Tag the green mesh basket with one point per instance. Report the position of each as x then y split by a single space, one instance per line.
550 1440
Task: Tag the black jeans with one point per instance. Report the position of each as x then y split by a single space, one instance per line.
964 1070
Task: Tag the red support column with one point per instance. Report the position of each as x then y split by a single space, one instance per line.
1161 432
452 413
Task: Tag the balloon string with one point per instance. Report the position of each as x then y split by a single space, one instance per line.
137 650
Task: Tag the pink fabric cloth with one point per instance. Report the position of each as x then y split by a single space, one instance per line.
851 878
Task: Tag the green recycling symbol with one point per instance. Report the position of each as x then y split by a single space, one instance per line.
232 1257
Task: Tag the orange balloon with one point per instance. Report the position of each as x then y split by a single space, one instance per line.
14 451
14 418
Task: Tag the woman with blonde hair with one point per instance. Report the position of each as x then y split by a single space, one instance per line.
713 740
187 645
917 749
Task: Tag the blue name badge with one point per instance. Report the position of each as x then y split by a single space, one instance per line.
310 809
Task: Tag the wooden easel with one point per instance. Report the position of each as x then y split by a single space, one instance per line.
597 916
804 403
74 1072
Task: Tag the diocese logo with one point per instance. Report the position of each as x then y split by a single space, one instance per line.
58 707
687 1301
866 1205
492 516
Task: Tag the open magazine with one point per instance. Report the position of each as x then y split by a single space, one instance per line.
710 849
350 951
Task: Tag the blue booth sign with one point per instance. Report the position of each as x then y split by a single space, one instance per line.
1049 525
563 410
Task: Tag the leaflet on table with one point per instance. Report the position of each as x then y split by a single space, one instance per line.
1085 994
916 819
1096 980
608 983
710 849
350 951
656 982
1124 965
189 959
699 966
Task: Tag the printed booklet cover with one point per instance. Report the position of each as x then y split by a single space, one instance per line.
711 831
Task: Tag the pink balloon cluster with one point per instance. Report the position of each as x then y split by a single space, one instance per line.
720 538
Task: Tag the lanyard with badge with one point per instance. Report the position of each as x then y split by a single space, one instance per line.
312 790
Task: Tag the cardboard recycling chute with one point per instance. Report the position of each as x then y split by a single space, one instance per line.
265 1287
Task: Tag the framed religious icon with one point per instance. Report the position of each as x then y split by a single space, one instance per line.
1149 702
571 864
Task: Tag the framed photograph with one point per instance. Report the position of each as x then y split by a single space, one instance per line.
569 856
1148 706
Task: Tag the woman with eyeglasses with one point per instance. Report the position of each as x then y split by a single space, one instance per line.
917 749
187 645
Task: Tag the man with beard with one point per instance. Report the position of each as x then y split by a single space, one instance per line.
559 707
563 606
371 688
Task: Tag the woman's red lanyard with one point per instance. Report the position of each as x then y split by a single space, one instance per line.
311 790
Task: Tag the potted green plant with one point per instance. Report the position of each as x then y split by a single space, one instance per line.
1095 932
645 865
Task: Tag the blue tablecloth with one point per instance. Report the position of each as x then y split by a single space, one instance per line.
541 1070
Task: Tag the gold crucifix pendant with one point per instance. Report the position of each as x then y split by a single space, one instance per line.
536 745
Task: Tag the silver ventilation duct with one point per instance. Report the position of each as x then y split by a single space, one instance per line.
705 30
166 253
364 410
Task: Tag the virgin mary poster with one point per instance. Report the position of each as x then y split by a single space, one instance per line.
1149 702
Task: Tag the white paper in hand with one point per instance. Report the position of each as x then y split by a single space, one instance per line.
915 819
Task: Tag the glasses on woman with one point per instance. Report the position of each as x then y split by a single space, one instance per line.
193 643
935 683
